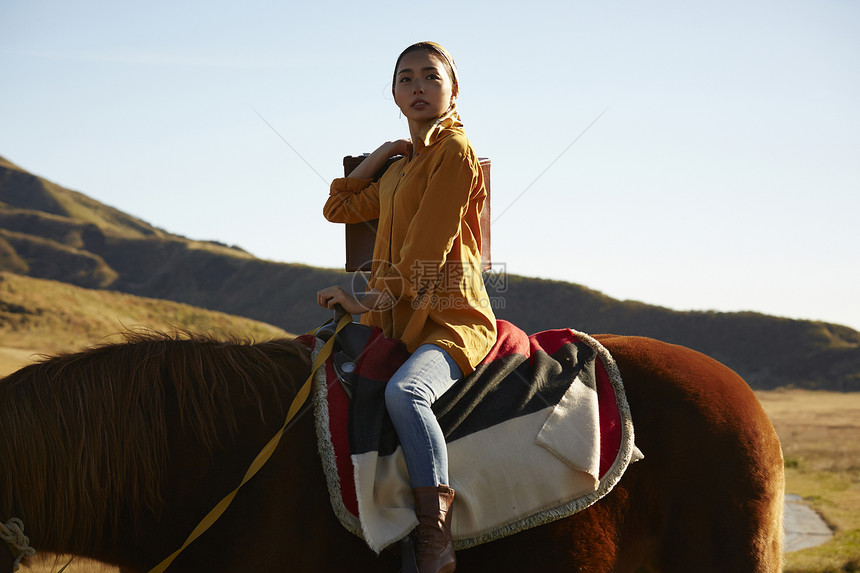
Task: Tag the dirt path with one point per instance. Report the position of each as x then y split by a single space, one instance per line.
803 527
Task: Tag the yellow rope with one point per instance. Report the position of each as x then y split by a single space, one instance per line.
264 455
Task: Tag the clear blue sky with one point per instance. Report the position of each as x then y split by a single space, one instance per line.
724 173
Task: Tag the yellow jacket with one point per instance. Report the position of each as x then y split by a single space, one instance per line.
427 254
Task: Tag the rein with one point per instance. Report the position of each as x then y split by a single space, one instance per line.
12 532
267 451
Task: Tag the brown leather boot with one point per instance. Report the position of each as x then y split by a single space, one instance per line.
434 549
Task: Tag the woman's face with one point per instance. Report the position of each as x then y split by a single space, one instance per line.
423 90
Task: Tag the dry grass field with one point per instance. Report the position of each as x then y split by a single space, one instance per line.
12 359
54 563
51 316
820 433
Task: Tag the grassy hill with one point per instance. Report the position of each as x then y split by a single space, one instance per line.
22 190
50 232
767 351
42 316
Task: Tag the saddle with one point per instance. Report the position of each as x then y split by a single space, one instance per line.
554 399
349 343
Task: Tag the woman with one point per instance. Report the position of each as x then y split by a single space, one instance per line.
425 286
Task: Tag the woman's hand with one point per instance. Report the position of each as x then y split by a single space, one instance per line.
397 147
374 162
328 297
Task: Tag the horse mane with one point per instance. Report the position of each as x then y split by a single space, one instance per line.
85 434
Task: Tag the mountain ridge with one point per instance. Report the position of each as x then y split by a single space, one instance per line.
80 241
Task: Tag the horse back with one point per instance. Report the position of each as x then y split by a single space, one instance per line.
710 490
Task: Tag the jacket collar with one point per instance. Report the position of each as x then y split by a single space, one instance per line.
444 126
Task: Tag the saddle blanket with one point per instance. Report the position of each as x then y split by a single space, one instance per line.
540 430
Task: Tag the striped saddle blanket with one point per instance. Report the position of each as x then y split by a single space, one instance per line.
540 430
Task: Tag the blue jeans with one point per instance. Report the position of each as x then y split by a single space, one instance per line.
425 376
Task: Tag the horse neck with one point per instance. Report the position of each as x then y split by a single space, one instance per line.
203 457
196 483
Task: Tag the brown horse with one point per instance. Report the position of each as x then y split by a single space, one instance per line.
117 452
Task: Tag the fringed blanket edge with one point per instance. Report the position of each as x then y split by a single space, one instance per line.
326 449
606 483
